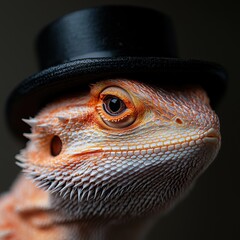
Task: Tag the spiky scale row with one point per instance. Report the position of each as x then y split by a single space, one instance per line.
32 122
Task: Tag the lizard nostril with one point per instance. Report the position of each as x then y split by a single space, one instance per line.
56 146
179 121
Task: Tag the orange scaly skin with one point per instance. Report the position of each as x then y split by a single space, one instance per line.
96 173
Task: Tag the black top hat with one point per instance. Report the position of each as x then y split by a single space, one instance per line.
108 42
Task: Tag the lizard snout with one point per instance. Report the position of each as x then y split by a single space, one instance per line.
211 136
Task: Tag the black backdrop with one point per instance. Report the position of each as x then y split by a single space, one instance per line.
206 30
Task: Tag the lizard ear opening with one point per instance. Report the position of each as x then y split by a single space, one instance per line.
55 146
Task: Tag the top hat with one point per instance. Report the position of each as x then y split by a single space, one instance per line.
108 42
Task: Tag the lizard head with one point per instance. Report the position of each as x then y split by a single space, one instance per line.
122 149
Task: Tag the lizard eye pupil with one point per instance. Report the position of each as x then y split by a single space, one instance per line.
56 146
113 105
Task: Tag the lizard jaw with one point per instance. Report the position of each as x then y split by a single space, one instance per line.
79 191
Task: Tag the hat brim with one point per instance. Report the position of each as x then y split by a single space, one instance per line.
35 91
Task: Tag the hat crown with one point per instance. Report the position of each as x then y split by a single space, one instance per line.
104 43
107 31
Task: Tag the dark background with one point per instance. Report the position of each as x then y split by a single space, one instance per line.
206 30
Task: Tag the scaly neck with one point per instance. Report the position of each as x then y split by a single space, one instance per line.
101 228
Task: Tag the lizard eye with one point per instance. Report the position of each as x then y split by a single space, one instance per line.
113 105
116 107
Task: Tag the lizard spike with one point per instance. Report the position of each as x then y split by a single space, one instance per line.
78 184
39 178
54 190
79 194
22 151
33 174
62 119
52 186
72 193
77 179
103 192
26 171
42 185
68 178
89 194
85 185
65 194
56 173
44 126
67 186
83 195
50 177
30 136
21 158
58 187
96 192
21 164
32 122
109 194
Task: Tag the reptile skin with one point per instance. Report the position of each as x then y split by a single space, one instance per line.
106 163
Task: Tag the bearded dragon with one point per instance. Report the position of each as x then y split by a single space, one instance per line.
105 163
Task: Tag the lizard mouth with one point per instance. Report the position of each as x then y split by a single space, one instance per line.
211 136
